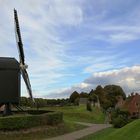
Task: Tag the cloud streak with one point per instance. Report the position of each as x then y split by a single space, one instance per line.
127 78
67 41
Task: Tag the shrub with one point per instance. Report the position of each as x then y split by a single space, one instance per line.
37 112
76 102
120 118
28 121
119 122
89 108
73 96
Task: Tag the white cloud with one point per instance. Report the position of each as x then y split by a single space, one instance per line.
128 78
65 92
50 27
40 22
125 77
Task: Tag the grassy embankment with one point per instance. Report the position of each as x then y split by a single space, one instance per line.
80 114
128 132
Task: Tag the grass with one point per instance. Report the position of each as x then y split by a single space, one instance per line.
128 132
40 133
80 114
71 114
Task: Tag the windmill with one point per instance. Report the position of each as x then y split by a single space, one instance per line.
10 73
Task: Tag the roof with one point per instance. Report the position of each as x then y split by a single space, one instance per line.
8 63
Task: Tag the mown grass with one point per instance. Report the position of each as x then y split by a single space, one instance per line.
80 114
128 132
40 133
71 115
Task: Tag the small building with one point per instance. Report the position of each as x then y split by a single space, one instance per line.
83 101
132 104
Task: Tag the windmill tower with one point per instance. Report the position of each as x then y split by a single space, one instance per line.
10 74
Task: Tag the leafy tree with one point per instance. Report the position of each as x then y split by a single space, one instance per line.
112 91
91 92
74 96
100 92
93 98
83 95
89 108
76 102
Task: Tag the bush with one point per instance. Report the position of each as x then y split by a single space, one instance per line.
119 122
28 121
76 102
120 118
37 112
89 108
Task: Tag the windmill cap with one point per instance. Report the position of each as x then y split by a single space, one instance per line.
8 63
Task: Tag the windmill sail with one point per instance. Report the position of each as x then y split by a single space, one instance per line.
21 55
18 38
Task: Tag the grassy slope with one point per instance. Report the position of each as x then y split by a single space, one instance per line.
79 113
128 132
71 113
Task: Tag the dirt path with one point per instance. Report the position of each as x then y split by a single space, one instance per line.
78 134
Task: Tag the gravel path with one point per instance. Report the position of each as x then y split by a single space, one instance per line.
78 134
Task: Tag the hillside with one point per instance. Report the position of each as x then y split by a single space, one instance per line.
128 132
80 114
71 114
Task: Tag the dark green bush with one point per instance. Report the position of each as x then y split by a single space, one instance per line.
28 121
89 108
76 102
119 122
120 118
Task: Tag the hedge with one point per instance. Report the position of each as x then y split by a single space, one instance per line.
28 121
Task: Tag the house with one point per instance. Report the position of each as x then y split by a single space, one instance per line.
132 104
83 101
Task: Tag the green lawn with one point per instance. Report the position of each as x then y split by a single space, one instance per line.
72 114
79 113
40 133
128 132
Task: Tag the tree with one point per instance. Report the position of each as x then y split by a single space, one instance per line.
83 95
112 91
74 96
100 92
89 108
93 98
91 92
76 101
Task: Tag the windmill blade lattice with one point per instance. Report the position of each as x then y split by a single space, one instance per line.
18 38
21 55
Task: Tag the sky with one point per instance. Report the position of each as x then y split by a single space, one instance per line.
74 44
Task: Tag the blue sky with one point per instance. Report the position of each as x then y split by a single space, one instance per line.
75 44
